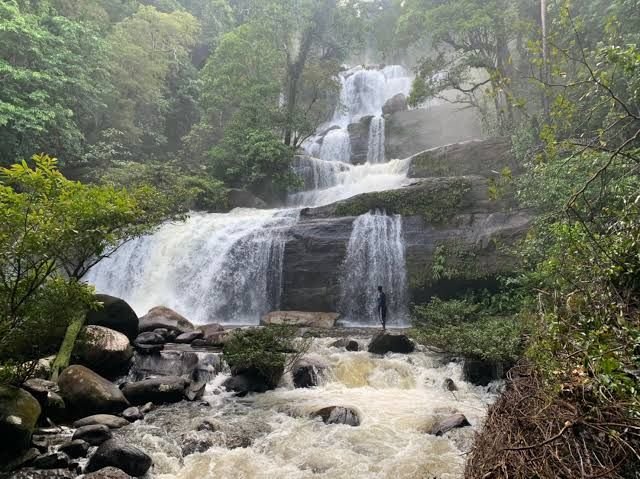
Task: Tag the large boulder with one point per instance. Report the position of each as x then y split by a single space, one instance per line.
481 372
94 434
163 317
238 198
383 343
19 413
103 350
168 389
338 415
115 314
112 422
149 337
308 372
449 423
188 338
108 473
302 319
359 139
75 448
213 335
251 380
47 393
87 393
395 104
114 453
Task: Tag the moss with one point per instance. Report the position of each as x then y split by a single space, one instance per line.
434 201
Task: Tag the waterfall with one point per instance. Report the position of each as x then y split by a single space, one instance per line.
222 268
375 150
375 257
336 146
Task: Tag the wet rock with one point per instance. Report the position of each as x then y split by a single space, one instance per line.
395 104
197 441
115 314
352 346
307 373
55 460
103 350
148 349
346 343
112 422
238 198
168 389
147 408
87 393
481 373
234 434
449 385
75 448
187 338
108 473
132 414
43 474
47 393
338 415
40 442
20 460
250 380
303 319
19 413
452 422
383 343
114 453
95 434
213 335
164 332
359 139
162 317
150 337
195 389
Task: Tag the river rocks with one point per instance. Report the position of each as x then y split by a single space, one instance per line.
43 474
187 338
47 393
163 317
395 104
308 372
86 392
480 372
54 460
132 414
19 412
75 448
338 415
115 314
301 319
94 434
168 389
251 380
449 385
197 441
238 198
103 350
213 335
383 343
452 422
112 422
485 158
150 337
114 453
108 473
348 344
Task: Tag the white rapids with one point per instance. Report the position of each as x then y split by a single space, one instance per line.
399 398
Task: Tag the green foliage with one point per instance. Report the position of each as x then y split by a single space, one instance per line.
467 328
52 231
269 351
254 159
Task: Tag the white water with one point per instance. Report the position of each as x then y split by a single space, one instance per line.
398 398
227 267
376 252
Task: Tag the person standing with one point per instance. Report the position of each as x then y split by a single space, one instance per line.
382 308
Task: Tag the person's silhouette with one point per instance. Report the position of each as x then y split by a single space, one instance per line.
382 308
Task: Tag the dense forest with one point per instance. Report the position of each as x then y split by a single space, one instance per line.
117 116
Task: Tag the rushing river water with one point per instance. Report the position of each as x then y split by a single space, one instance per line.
272 435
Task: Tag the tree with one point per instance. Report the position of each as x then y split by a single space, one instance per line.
52 83
52 231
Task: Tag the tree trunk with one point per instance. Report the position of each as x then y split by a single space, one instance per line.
545 59
66 348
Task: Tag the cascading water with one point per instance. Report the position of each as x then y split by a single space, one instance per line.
211 268
398 398
375 257
227 267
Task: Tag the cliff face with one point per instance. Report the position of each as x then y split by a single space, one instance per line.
455 235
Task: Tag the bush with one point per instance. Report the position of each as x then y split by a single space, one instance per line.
270 352
467 328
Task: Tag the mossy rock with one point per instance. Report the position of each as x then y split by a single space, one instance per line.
435 201
19 413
